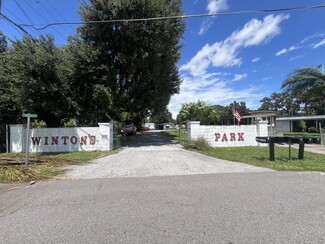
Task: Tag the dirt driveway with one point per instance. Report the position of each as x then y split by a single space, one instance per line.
152 154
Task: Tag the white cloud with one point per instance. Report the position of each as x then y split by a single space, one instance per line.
202 82
225 53
238 77
283 51
286 50
266 78
319 44
213 7
255 60
216 91
295 58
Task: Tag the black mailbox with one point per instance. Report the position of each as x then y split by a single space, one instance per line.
287 139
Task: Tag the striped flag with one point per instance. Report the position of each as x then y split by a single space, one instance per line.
236 115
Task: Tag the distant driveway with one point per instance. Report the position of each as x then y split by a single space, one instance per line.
153 154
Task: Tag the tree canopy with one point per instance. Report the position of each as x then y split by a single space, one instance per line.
137 59
118 70
308 85
284 103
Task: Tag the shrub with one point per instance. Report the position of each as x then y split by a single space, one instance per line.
39 124
302 125
313 129
199 144
70 123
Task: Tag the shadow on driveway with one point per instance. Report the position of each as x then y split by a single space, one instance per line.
148 138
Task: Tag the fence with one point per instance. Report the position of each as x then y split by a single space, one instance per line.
228 136
62 139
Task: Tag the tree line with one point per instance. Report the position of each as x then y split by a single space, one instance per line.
120 71
303 93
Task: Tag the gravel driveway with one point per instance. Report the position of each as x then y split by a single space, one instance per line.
152 154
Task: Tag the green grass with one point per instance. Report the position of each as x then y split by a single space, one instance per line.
43 165
314 135
174 135
259 156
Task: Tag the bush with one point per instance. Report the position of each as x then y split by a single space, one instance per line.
313 129
302 125
39 124
70 123
199 144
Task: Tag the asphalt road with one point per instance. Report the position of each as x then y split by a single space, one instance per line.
250 207
217 208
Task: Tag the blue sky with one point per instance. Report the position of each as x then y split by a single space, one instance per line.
239 57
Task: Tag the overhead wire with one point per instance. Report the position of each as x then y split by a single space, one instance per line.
30 6
57 11
176 17
18 26
15 27
27 17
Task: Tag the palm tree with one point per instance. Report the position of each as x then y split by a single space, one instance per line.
306 83
198 111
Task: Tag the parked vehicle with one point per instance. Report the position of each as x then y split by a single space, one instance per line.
129 130
145 129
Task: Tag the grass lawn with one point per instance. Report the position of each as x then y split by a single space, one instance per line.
174 135
42 165
259 156
314 135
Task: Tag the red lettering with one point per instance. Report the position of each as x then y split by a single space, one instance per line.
64 138
46 140
36 140
224 137
217 136
240 136
83 140
232 137
55 140
74 140
92 139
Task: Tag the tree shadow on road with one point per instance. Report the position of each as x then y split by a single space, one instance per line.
150 138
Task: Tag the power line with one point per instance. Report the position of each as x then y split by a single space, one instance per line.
29 19
177 17
18 26
44 19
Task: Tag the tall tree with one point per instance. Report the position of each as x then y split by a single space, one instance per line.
240 108
8 108
283 102
3 43
306 83
138 59
31 79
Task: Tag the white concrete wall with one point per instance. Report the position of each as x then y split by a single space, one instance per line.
228 136
63 139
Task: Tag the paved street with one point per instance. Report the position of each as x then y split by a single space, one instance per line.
232 207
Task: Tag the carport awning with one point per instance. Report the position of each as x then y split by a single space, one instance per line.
315 117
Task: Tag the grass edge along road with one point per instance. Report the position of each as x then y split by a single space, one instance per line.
259 156
43 166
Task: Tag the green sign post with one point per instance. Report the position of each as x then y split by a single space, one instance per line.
28 116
